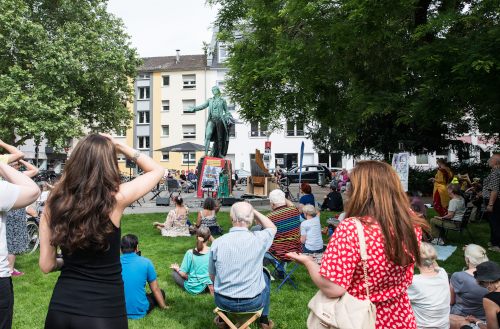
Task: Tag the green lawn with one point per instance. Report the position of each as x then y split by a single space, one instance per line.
288 307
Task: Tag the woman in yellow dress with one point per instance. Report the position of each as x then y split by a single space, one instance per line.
440 195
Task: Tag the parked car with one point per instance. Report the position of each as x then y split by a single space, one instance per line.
310 174
242 176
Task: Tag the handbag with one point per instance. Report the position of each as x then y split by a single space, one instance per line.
345 312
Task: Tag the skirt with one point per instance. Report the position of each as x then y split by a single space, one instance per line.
17 234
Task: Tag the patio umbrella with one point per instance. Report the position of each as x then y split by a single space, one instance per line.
186 147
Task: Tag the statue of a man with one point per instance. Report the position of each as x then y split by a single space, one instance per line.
218 124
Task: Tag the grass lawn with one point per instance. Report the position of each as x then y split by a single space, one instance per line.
288 307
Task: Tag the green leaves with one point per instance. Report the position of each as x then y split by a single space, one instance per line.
65 67
367 75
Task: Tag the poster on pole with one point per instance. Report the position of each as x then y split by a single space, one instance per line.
402 167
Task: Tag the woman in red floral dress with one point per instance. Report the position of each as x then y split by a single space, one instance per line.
392 232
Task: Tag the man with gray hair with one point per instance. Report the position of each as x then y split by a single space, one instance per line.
235 265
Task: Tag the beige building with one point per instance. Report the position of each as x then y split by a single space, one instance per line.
164 89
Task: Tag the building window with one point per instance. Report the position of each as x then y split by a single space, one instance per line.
143 93
294 128
186 104
165 156
422 159
223 53
165 80
143 76
165 105
188 158
143 142
258 129
232 131
121 159
143 117
189 131
189 81
165 130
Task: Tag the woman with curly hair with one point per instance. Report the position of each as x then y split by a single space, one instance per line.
82 218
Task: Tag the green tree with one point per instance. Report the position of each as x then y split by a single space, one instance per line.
368 75
65 66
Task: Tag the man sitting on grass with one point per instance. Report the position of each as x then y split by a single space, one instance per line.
136 270
235 265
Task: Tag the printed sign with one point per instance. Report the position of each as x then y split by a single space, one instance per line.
402 167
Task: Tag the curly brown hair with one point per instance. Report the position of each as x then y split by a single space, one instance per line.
80 205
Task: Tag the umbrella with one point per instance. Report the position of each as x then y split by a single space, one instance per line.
186 147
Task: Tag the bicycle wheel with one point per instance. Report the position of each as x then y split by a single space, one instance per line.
33 237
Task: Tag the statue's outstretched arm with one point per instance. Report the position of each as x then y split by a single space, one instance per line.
198 108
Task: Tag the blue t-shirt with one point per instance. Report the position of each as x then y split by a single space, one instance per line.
196 267
136 271
307 199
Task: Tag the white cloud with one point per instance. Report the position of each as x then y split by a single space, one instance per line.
159 27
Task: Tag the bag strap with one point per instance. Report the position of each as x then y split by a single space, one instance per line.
363 253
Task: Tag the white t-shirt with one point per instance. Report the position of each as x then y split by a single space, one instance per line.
430 300
8 196
458 207
311 228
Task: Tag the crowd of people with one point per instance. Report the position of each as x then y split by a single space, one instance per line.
103 276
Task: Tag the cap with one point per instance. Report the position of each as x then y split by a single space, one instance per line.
487 271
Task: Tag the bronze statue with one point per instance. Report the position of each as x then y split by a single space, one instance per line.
218 124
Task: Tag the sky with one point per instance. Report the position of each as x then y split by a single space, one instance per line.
159 27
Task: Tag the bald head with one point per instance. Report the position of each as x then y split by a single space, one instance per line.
242 212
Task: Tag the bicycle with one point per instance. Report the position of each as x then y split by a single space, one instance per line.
32 227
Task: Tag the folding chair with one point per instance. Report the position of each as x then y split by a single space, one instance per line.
238 320
460 226
282 266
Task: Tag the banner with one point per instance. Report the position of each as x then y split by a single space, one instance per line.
402 167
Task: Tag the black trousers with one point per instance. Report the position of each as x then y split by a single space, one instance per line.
62 320
494 219
6 303
152 301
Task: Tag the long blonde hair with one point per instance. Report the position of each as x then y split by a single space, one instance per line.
376 191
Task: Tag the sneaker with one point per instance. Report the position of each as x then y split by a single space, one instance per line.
494 248
438 241
267 326
16 273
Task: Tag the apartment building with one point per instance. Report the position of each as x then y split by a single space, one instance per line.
164 89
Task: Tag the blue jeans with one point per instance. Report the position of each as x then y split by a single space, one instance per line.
308 251
262 300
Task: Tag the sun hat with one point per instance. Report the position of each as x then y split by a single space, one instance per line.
488 271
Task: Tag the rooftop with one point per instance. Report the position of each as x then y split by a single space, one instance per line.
168 63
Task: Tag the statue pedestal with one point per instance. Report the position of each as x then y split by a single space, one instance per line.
209 169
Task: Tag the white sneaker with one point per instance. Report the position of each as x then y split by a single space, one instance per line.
438 241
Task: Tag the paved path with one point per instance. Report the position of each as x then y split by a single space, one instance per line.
194 203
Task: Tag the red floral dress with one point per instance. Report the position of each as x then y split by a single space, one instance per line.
389 282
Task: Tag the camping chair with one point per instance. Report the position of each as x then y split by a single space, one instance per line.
287 267
460 226
173 186
157 190
238 320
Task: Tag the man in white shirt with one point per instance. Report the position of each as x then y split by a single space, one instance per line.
16 191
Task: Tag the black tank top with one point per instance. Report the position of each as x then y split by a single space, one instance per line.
91 282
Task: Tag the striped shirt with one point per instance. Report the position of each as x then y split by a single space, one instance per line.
236 262
287 220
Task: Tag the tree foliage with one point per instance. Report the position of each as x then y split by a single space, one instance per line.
65 66
368 75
